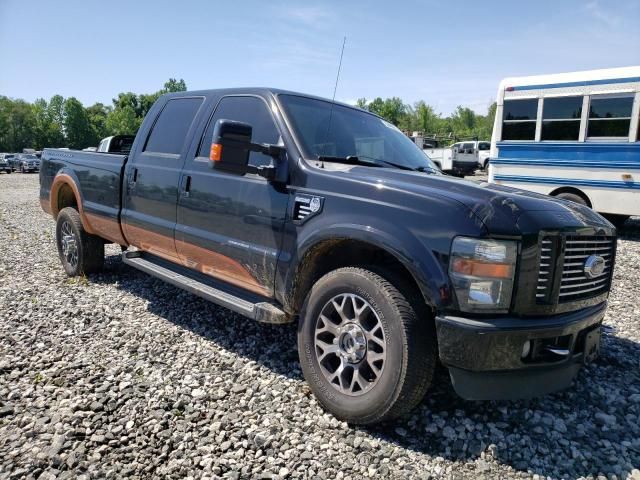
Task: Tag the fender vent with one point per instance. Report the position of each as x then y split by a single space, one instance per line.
305 207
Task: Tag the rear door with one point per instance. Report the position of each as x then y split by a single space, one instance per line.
151 183
230 227
466 153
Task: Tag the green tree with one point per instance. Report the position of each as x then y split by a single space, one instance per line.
173 85
77 128
392 109
122 121
97 114
17 125
362 103
464 121
427 119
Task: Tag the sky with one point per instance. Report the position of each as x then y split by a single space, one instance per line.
446 53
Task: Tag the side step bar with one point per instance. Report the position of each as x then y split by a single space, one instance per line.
264 312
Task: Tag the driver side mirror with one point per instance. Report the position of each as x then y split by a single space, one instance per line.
230 146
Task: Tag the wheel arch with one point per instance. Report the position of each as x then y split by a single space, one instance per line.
340 247
65 193
575 191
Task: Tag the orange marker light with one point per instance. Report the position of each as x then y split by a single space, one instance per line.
215 154
479 269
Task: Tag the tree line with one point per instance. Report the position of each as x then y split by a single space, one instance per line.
420 116
65 122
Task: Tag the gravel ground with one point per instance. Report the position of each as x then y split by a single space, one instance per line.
120 375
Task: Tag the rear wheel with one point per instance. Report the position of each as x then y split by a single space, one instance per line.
366 353
79 252
572 197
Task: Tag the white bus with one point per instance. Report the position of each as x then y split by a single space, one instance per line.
572 135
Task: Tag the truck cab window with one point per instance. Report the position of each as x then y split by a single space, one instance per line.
251 110
171 127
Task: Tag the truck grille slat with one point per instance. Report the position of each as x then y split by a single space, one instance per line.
564 258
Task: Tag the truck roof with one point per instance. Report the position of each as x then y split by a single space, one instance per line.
264 91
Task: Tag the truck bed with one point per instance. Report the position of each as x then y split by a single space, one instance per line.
96 180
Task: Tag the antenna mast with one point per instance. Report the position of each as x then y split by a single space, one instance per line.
335 89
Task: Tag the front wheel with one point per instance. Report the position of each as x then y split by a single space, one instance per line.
79 251
364 350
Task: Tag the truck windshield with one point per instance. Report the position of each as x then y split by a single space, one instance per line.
348 132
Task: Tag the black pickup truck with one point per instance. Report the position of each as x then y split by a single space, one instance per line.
290 208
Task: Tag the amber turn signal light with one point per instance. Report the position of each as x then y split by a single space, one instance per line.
215 154
479 269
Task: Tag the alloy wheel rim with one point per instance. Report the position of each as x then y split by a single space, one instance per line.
350 344
69 244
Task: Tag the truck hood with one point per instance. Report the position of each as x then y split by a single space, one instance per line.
501 209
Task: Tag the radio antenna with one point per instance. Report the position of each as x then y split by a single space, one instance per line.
335 89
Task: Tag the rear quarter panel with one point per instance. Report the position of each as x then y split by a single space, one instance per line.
96 181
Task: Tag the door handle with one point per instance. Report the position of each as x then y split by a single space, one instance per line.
133 178
186 186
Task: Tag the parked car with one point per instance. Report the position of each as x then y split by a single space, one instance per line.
5 166
27 162
285 207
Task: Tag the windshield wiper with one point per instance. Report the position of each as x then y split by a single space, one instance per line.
372 162
362 160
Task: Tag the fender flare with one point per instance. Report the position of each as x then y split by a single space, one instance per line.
66 177
414 255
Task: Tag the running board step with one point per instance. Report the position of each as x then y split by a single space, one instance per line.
262 311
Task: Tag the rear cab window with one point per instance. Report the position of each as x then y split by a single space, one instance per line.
169 132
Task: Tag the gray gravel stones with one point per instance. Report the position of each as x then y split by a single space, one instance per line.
120 375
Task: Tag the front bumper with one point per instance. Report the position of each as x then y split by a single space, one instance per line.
485 361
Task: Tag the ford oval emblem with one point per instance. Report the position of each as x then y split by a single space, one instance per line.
594 266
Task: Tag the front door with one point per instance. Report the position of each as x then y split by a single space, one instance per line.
229 226
151 183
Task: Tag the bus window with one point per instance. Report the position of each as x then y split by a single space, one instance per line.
610 116
519 119
561 118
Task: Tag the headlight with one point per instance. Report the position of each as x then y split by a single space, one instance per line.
482 273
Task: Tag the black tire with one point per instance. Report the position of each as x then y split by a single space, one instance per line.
486 165
89 248
22 169
409 347
617 220
572 197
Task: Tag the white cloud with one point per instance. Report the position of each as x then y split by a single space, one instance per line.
603 15
310 15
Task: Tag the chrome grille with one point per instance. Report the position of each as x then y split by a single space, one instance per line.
545 270
575 284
